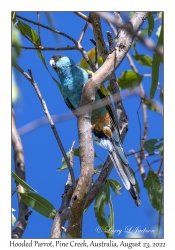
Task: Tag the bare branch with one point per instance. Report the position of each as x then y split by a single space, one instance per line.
141 167
46 27
82 16
83 32
101 46
60 217
30 78
100 182
20 171
138 15
77 44
48 48
160 166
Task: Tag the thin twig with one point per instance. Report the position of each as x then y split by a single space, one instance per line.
30 78
77 44
142 93
160 166
141 168
133 153
82 16
20 171
46 27
83 32
47 48
52 126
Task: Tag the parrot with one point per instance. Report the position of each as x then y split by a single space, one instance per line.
103 119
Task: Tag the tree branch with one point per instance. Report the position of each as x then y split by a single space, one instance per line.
82 16
140 165
85 134
60 217
20 171
77 44
47 48
101 46
138 15
30 78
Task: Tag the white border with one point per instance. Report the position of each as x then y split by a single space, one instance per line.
5 98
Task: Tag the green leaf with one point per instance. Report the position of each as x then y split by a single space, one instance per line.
155 74
150 24
144 60
64 164
76 151
150 146
16 50
28 31
131 14
150 104
107 191
111 220
22 183
97 168
160 41
129 79
155 191
13 17
157 59
38 203
102 199
115 185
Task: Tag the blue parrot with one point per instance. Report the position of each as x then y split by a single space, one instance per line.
104 123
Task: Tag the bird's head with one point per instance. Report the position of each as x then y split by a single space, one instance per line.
60 61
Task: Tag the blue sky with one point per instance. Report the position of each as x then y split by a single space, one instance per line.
42 154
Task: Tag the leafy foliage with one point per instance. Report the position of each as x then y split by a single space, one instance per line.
155 191
102 199
38 203
22 183
129 79
150 146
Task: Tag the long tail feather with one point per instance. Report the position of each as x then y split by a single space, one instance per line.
125 174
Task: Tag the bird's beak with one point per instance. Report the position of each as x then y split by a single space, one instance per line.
52 62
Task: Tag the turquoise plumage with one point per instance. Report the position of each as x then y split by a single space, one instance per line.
104 123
